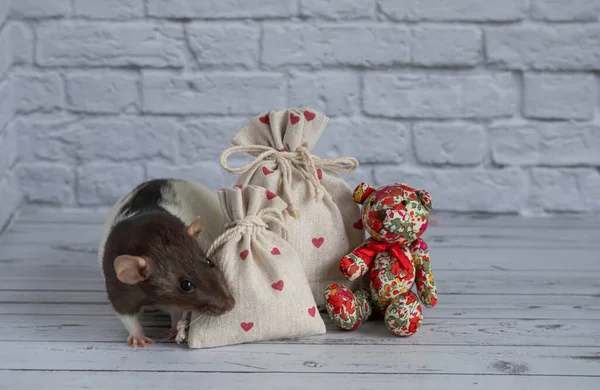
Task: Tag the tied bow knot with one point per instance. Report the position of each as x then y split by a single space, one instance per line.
395 249
248 222
301 159
235 229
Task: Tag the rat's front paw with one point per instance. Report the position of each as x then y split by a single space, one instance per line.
142 340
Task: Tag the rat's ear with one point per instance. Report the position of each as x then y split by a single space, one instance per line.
425 199
131 269
195 228
362 192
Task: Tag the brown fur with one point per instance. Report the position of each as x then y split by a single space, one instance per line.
173 255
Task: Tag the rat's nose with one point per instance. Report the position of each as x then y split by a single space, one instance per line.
227 303
223 303
219 305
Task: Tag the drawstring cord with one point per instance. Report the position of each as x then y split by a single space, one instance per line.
301 159
236 228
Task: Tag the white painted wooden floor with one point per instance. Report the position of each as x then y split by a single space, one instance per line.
519 308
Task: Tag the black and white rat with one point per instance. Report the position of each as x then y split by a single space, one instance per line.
152 254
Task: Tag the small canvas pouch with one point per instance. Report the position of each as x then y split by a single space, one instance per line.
273 298
327 224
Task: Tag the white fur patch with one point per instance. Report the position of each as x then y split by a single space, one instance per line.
132 324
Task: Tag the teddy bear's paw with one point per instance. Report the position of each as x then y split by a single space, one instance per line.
342 307
403 316
353 267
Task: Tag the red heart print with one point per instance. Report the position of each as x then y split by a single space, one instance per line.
247 325
319 173
275 251
266 171
309 115
312 311
358 225
270 195
264 119
318 241
278 286
238 186
294 118
282 150
244 254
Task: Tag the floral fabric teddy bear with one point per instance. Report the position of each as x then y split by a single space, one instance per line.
395 217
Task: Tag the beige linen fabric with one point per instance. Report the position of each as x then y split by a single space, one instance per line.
273 298
328 224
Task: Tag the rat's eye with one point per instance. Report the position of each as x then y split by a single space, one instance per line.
404 202
210 263
187 286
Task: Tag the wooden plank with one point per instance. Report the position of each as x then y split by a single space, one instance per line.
49 235
50 309
499 259
65 215
518 282
68 254
75 276
568 282
65 380
34 214
61 297
455 236
508 223
533 238
453 331
303 358
466 306
533 227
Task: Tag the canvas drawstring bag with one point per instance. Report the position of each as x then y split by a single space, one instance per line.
273 298
327 224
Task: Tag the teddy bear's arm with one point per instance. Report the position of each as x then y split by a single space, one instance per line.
423 273
358 262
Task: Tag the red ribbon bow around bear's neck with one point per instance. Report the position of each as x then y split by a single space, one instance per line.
395 249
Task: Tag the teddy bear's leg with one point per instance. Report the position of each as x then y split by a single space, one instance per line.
347 309
404 315
425 281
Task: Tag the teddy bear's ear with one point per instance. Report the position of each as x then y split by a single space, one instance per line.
425 199
362 192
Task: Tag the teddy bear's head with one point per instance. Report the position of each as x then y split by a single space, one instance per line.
395 213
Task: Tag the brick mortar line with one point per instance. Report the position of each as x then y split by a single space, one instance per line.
371 21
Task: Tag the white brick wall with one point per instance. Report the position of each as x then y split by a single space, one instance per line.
491 105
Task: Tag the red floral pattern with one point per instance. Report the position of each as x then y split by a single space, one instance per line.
395 257
347 309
